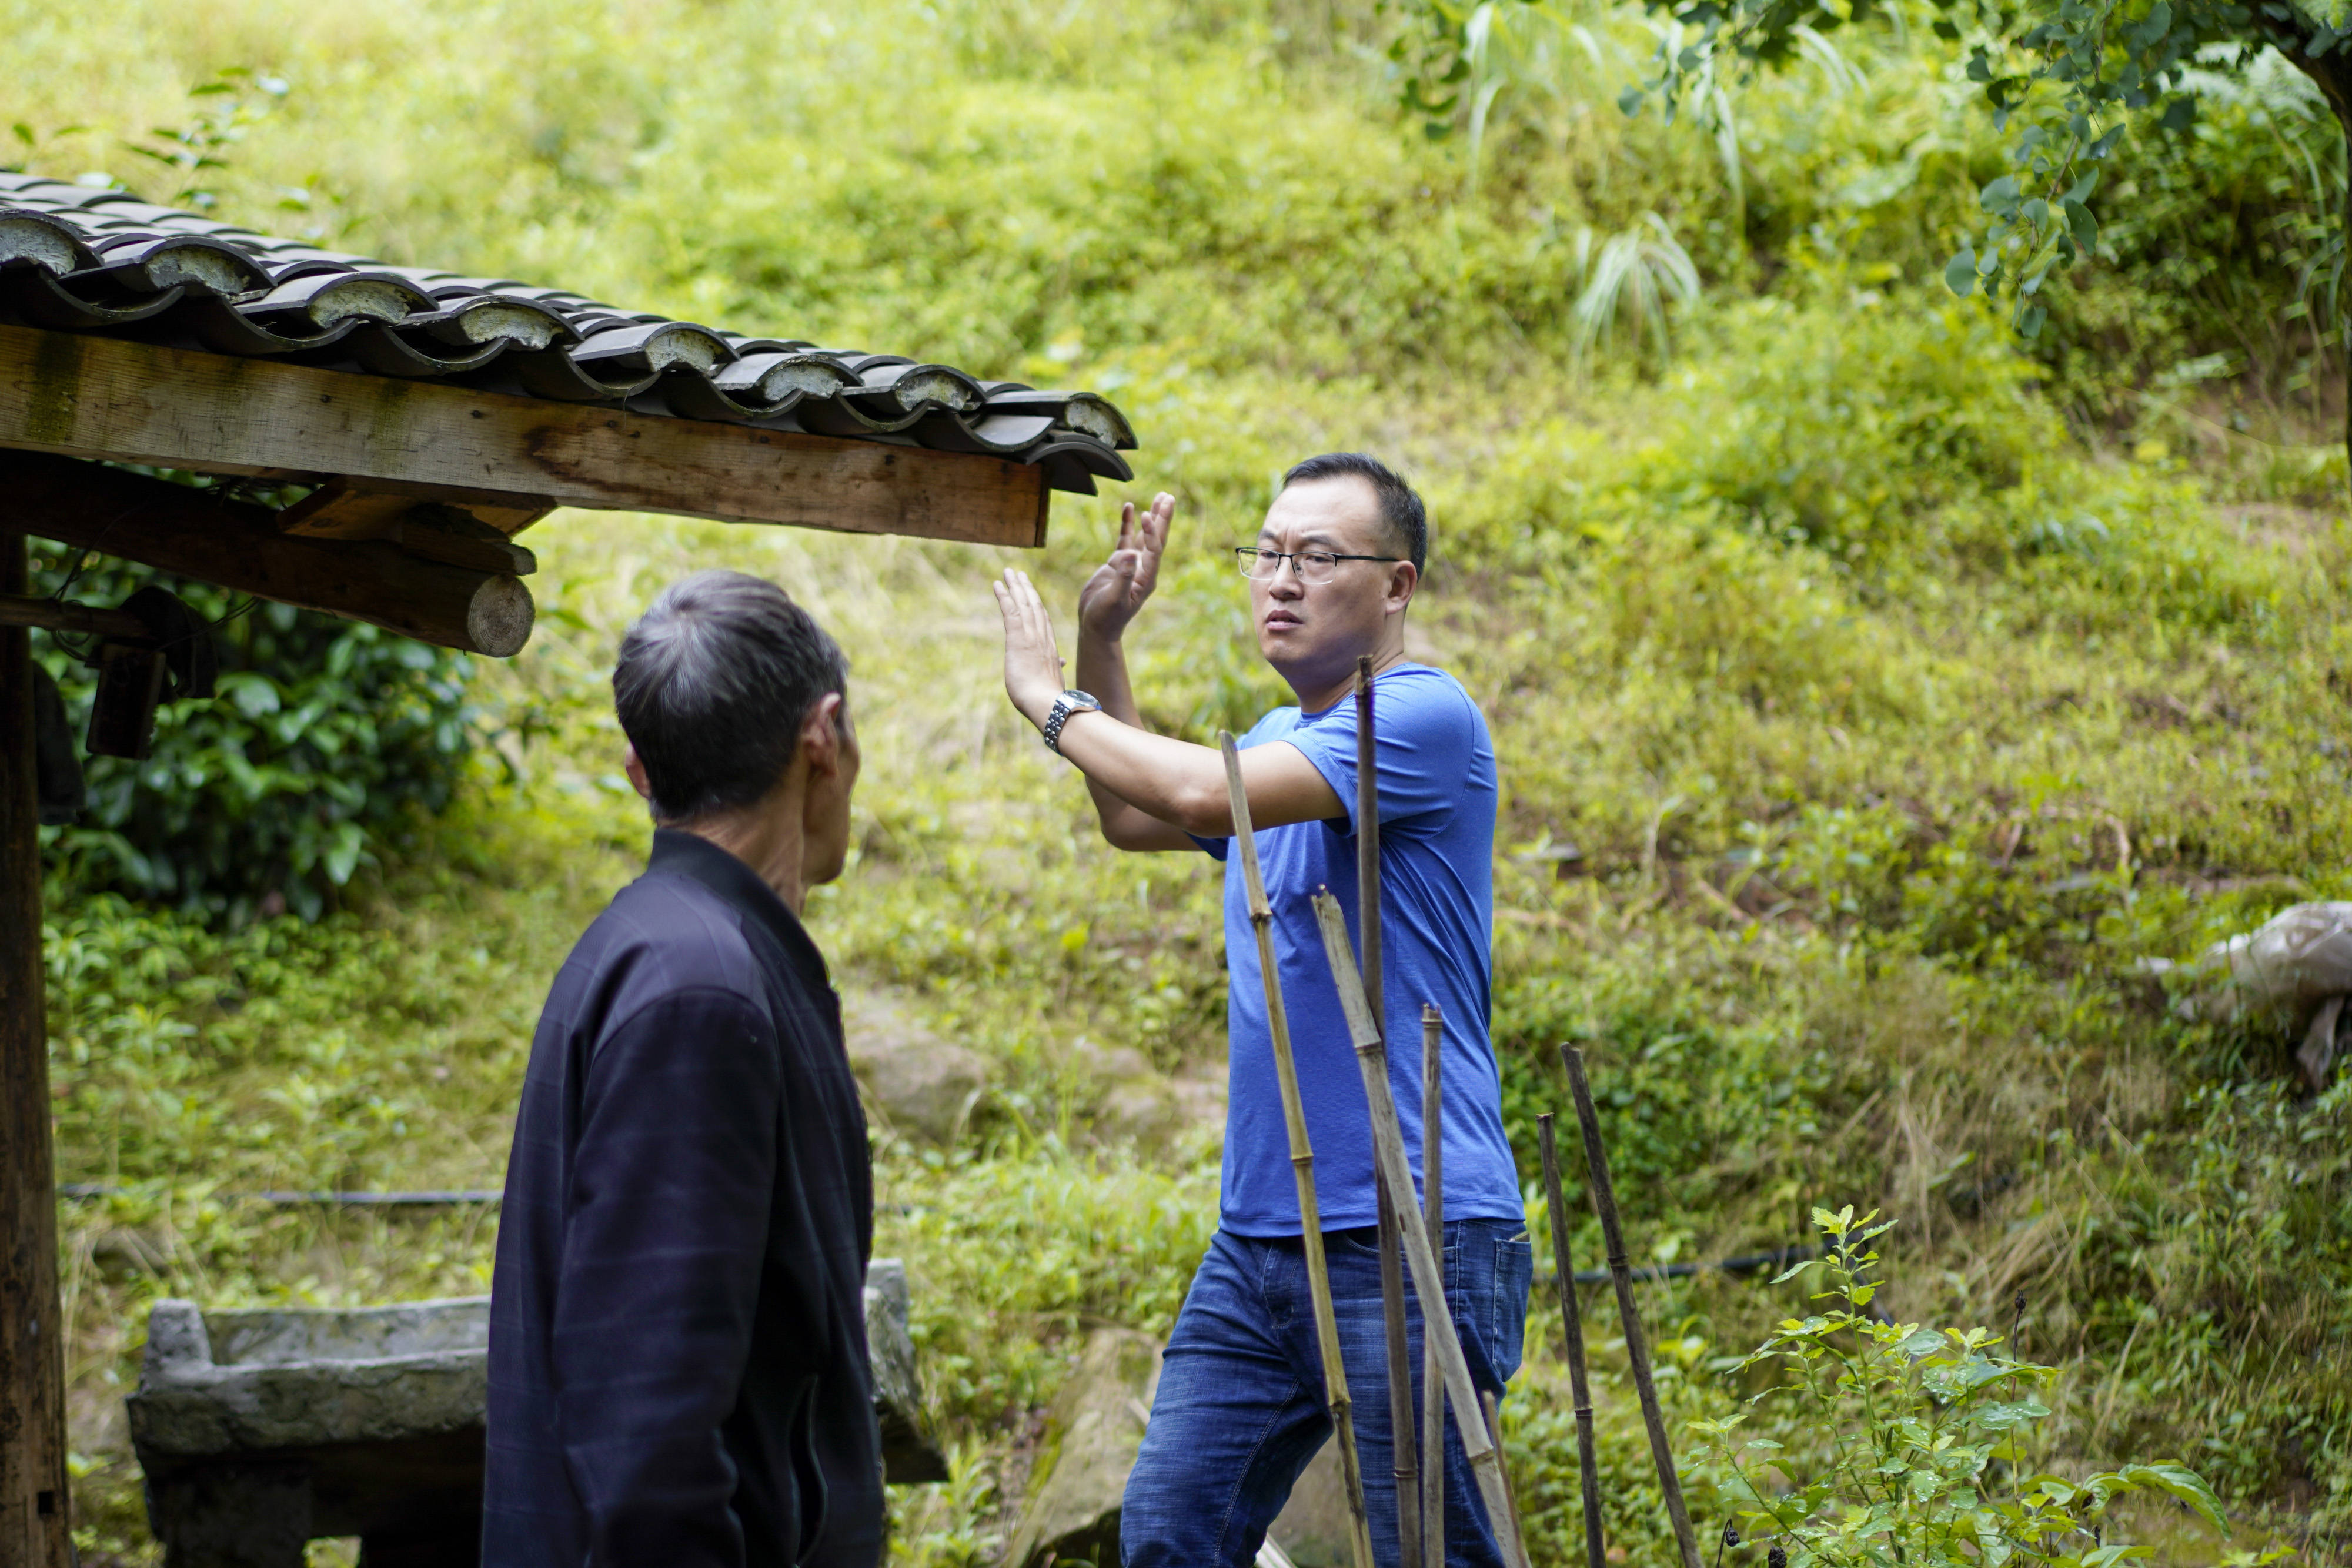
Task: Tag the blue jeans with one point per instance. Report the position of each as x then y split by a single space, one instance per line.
1239 1407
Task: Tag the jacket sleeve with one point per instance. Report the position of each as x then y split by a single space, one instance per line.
664 1232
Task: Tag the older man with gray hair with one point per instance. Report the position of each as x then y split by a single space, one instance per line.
679 1371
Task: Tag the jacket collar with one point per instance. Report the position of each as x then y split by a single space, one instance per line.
677 852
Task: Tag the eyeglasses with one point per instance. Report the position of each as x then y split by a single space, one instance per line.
1311 565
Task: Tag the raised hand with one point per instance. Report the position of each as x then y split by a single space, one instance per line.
1033 663
1121 585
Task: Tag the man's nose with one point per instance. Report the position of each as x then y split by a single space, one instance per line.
1289 580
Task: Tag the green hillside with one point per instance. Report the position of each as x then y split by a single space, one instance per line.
1871 697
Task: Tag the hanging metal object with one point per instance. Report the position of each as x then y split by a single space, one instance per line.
174 662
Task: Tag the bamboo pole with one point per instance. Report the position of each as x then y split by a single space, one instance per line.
1637 1351
1433 1376
1493 1408
1404 1459
1388 1148
1302 1161
1588 1461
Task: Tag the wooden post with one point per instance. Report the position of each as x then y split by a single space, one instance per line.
1302 1161
33 1496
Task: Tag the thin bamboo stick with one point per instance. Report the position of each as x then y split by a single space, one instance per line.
1388 1148
1404 1460
1637 1351
1510 1493
1432 1375
1588 1461
1302 1161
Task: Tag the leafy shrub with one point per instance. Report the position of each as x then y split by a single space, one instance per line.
327 734
1908 1444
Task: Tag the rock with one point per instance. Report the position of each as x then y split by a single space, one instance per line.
913 1081
1093 1433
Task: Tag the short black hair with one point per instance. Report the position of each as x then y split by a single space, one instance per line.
711 685
1401 513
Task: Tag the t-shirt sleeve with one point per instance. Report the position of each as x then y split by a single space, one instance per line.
1428 733
1215 849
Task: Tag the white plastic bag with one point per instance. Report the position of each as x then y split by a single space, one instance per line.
2297 963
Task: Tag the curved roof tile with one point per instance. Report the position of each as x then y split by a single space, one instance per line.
81 259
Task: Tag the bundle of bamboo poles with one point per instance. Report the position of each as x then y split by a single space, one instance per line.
1410 1236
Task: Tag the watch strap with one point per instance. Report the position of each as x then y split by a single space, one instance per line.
1064 707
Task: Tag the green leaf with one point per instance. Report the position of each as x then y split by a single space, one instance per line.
2180 114
1630 101
2182 1482
1960 277
2000 196
2083 225
2029 326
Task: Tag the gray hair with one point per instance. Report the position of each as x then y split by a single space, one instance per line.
711 686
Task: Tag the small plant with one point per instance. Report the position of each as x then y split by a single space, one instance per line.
1908 1442
1636 275
221 111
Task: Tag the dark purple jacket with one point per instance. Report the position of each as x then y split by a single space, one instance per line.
678 1373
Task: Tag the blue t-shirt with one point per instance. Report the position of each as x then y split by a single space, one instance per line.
1437 843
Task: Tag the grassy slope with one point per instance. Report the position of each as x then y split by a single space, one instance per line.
1892 721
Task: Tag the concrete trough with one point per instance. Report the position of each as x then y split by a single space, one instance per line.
261 1430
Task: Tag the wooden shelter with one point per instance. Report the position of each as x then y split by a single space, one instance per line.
421 419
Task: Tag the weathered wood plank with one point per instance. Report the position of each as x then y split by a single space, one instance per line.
339 509
33 1497
83 396
192 533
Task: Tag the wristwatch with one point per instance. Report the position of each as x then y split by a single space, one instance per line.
1065 705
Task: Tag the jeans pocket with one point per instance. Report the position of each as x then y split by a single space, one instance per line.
1514 1272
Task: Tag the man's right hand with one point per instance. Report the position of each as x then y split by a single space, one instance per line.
1121 585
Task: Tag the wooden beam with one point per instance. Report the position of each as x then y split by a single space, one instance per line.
34 1501
196 533
82 396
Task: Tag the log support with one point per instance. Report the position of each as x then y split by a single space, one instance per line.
196 533
33 1502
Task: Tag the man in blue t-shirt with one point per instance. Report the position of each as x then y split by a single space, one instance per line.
1239 1407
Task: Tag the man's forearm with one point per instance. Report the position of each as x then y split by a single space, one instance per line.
1102 673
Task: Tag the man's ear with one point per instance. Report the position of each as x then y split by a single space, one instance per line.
821 735
633 765
1403 577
